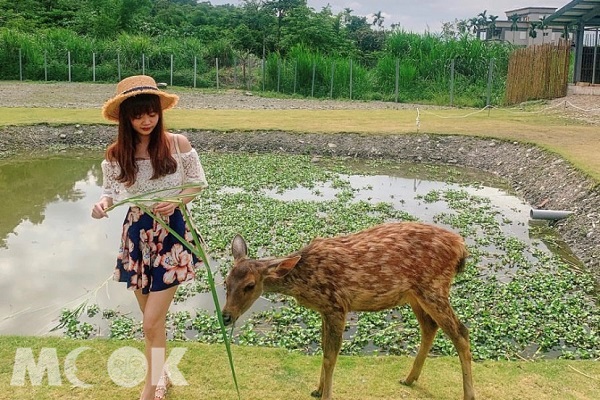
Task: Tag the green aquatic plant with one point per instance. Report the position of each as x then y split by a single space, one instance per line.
518 300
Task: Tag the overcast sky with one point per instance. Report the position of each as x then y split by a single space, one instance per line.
419 16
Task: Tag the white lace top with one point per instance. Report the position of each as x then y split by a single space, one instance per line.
192 173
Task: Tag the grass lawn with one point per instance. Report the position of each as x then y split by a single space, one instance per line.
575 142
273 374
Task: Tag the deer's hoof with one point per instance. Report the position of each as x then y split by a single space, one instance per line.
316 393
406 383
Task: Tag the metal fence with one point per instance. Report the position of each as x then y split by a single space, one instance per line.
333 79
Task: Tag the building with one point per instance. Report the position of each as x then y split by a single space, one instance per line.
519 32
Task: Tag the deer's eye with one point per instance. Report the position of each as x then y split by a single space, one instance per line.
249 287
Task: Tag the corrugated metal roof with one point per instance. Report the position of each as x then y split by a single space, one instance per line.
586 12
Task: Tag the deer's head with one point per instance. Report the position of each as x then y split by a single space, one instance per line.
245 281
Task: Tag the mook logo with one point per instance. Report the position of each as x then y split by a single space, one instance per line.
126 367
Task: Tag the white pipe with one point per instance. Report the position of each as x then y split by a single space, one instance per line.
549 214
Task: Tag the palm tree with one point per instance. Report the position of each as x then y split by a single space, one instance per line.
532 30
514 26
347 15
462 26
473 23
492 26
543 26
482 22
378 19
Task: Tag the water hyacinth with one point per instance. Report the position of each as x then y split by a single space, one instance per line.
518 300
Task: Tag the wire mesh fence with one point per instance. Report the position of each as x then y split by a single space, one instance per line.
315 76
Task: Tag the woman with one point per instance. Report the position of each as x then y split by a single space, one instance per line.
145 158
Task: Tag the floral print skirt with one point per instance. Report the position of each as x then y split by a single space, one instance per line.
152 259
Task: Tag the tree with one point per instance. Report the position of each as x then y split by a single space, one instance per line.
543 26
482 23
492 26
346 16
316 31
281 9
514 24
462 26
532 30
360 33
456 29
474 24
378 19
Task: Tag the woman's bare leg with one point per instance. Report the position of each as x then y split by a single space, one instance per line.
154 306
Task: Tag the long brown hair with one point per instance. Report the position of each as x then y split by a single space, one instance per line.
123 150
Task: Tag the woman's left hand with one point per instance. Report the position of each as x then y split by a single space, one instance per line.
164 209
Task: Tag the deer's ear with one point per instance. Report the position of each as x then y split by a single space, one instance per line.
239 248
282 266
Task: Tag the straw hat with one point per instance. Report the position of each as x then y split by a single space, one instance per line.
132 86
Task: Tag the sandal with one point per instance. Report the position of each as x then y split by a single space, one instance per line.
162 387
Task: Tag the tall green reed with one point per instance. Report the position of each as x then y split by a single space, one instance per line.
422 64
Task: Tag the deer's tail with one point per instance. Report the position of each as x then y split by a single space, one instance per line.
462 262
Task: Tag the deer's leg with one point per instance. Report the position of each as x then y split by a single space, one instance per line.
441 311
333 324
428 331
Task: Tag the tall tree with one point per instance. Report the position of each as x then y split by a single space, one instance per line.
482 23
378 19
533 31
474 25
281 8
543 26
492 26
514 24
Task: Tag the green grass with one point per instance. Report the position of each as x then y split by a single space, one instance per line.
267 373
274 374
575 142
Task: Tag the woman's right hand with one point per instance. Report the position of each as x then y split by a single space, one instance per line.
99 210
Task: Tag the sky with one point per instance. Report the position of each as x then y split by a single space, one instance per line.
424 15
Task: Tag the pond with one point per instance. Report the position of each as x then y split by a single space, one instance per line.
56 257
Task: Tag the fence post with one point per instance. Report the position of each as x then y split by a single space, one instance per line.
195 69
350 79
452 82
595 56
94 67
45 65
119 65
171 70
235 72
69 64
278 72
20 65
489 84
295 74
312 90
263 73
143 64
249 74
397 92
217 67
332 74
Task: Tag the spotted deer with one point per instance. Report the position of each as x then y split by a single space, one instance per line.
372 270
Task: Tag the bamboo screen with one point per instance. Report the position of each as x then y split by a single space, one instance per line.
538 72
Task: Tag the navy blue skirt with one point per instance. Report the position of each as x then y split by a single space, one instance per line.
152 259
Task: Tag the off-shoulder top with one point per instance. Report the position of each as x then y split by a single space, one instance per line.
189 162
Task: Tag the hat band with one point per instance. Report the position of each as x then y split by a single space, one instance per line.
139 89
